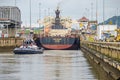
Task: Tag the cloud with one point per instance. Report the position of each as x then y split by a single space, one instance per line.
72 8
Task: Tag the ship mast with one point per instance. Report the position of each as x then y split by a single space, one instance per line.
57 18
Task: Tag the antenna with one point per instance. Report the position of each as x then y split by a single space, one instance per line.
58 4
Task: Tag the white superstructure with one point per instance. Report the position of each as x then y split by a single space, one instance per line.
10 12
103 29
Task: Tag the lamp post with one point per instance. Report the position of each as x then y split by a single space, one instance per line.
15 24
91 11
39 14
15 2
117 17
103 11
30 12
6 30
103 18
31 32
96 9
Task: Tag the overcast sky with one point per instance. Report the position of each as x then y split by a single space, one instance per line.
69 8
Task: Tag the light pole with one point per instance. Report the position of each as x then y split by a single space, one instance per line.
103 11
7 30
87 13
15 2
30 12
96 9
39 14
15 24
91 11
103 18
117 17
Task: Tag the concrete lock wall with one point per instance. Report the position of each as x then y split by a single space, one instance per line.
110 49
105 53
10 43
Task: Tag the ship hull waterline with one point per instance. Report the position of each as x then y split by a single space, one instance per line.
60 47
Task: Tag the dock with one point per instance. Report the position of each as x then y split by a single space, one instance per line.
8 44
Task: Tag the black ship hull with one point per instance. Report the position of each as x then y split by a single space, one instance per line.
58 43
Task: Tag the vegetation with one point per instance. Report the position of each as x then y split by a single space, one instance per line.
113 20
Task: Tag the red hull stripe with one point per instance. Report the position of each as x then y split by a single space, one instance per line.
57 47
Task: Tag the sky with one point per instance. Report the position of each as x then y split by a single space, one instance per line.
74 9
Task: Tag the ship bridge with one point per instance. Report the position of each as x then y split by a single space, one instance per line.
57 24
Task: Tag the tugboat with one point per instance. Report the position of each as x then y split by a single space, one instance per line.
28 47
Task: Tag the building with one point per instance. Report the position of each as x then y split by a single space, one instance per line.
88 28
83 22
10 19
104 31
92 24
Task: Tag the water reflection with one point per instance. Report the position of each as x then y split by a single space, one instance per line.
52 65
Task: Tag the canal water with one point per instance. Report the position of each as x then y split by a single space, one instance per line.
52 65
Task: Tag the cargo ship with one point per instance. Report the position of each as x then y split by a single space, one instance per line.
57 34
